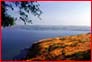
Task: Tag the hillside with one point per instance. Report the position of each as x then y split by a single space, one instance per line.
75 47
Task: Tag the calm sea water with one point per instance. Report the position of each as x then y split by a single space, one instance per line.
15 39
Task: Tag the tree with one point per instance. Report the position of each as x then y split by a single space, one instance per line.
24 9
6 19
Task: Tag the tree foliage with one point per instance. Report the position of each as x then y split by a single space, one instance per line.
6 19
25 8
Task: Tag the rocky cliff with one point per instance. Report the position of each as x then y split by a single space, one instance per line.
75 47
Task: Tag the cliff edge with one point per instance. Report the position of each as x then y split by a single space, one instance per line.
75 47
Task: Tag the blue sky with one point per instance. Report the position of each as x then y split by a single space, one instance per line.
63 13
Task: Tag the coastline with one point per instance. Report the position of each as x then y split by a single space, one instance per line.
74 47
16 40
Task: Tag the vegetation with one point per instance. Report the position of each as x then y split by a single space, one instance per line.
24 7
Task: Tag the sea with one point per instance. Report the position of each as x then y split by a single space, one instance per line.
16 39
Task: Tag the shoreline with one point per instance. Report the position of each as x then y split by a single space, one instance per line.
62 45
26 38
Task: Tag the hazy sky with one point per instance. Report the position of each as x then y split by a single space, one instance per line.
64 13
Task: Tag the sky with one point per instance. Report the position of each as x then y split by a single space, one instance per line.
63 13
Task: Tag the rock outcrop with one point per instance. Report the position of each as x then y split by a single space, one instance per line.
75 47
